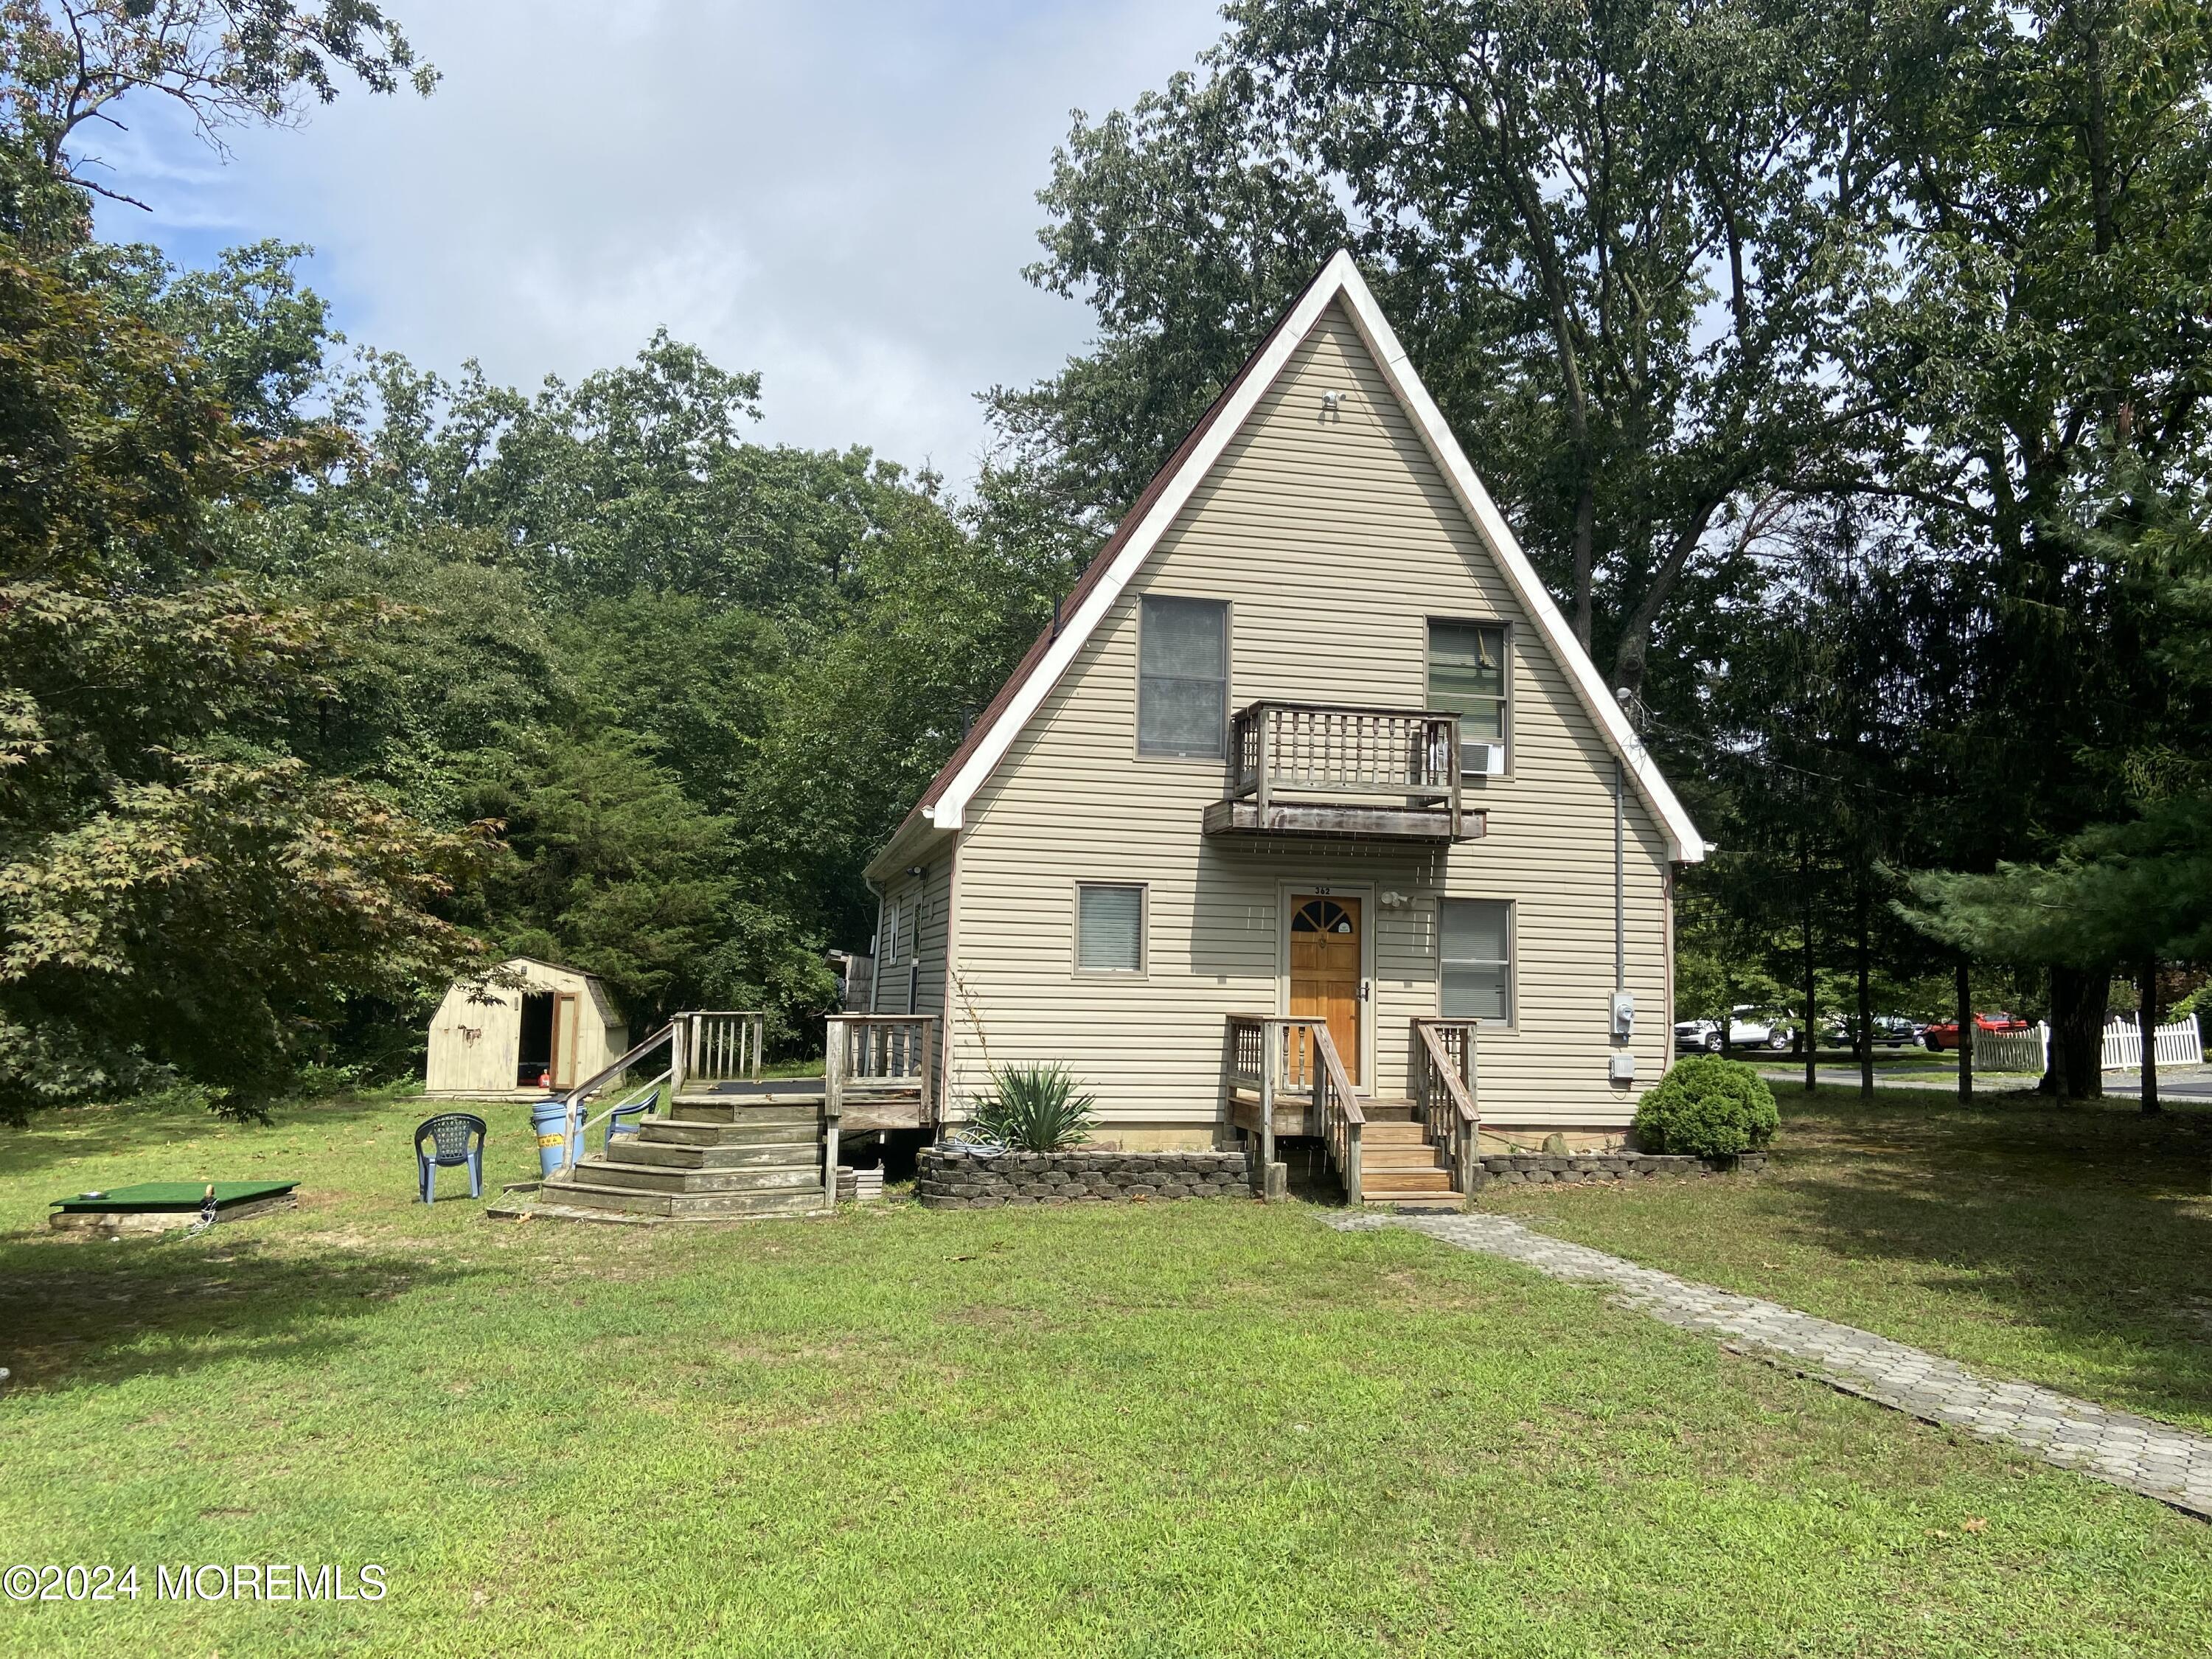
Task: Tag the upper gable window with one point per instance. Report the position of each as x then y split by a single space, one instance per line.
1183 677
1467 677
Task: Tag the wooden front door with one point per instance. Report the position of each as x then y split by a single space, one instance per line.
565 1009
1325 962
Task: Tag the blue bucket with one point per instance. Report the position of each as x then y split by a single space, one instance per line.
548 1118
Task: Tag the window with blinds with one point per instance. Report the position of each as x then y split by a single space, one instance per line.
1109 929
1467 677
1183 677
1474 966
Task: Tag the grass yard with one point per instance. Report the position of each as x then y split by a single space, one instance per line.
1179 1429
2066 1245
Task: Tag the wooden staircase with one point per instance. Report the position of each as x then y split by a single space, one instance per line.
742 1150
1399 1165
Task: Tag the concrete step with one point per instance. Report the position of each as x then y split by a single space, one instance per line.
673 1132
1419 1200
683 1155
645 1177
683 1206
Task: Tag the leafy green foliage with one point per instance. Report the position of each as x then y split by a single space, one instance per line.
1707 1107
1034 1108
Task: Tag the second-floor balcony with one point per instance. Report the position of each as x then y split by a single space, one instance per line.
1300 769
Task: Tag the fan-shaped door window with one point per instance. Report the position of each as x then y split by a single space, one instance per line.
1322 917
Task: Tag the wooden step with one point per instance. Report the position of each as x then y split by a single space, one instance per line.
1388 1134
698 1206
671 1132
1387 1110
649 1178
700 1108
1400 1157
1382 1183
683 1155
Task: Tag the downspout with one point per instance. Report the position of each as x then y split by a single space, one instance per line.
876 948
1620 878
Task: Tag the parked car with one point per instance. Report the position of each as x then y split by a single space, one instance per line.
1749 1027
1890 1032
1936 1038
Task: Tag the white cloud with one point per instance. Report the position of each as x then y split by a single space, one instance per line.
840 195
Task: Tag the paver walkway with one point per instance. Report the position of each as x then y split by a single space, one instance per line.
2158 1460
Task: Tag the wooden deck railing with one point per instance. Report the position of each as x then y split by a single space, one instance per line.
869 1058
1276 1057
1310 751
1443 1091
720 1046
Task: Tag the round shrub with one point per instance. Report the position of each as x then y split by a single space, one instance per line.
1707 1107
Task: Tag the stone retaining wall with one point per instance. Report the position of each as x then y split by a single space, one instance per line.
1534 1168
949 1178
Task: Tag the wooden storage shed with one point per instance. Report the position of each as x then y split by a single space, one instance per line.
504 1042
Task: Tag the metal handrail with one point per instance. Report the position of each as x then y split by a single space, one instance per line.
578 1133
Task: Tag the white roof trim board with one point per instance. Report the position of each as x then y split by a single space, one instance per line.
1340 280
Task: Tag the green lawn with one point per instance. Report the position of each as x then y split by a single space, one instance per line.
1179 1429
2067 1245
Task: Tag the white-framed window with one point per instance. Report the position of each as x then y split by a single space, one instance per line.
1183 677
1110 927
1475 959
1467 678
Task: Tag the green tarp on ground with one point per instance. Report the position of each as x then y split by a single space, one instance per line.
176 1195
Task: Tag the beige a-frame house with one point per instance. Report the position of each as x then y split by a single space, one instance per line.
1309 749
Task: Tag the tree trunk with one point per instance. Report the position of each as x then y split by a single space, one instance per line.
1965 1016
1865 1038
1728 1012
1811 1035
1585 547
2078 999
2147 1024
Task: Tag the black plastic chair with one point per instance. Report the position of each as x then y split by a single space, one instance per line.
459 1138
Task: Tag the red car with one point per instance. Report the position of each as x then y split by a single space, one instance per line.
1937 1038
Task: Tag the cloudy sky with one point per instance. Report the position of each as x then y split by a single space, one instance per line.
839 193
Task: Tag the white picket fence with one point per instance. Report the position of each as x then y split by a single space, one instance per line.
2011 1051
2180 1043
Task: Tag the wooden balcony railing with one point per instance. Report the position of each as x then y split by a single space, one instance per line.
1443 1091
1319 768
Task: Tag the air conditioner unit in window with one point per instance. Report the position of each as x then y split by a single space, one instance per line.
1482 759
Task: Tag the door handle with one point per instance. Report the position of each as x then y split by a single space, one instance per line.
1364 989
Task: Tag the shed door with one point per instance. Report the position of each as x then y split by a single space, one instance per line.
566 1007
1325 958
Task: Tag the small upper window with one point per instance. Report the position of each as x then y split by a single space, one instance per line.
1183 677
1467 677
1475 959
1109 929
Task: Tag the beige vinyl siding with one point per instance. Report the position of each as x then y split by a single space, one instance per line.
923 909
1335 541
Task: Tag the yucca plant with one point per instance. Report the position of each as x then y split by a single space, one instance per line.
1034 1108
